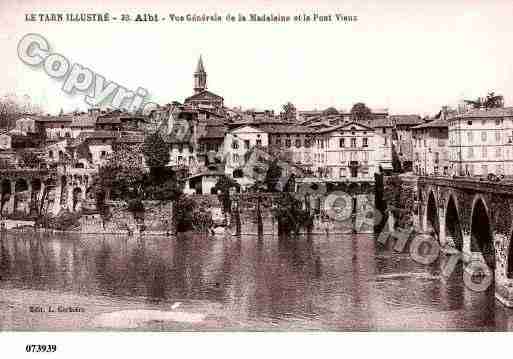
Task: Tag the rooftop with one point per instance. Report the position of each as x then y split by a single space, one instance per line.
406 120
437 123
485 113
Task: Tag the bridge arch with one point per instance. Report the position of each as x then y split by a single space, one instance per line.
481 234
453 229
432 220
5 190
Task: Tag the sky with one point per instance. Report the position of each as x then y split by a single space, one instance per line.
407 56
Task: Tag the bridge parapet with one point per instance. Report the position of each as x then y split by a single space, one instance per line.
475 216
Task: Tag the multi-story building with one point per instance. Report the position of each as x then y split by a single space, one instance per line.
480 142
238 143
430 148
350 150
402 138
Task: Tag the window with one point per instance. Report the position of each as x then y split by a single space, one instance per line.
68 135
469 123
498 137
246 144
365 142
470 152
278 141
259 143
298 143
341 143
307 143
180 148
384 130
353 142
235 144
287 143
103 154
498 122
484 152
498 152
190 149
50 154
235 158
470 136
437 157
483 136
180 159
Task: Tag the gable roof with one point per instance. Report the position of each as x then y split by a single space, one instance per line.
438 123
406 120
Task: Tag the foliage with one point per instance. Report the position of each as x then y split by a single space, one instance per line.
330 111
289 111
161 184
136 207
289 212
65 221
223 186
273 176
396 162
490 101
183 213
156 150
122 174
360 112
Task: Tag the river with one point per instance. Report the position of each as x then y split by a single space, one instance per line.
335 282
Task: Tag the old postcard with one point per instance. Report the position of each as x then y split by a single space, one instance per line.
265 166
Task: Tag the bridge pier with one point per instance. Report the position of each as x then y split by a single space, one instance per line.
10 204
442 235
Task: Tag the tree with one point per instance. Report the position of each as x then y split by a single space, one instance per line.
490 101
273 176
122 175
290 214
396 162
156 150
330 111
360 112
223 186
289 111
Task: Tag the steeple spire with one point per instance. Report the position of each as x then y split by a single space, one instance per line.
200 67
200 77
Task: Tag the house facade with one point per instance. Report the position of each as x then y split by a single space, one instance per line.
481 142
430 148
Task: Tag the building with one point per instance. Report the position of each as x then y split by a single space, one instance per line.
430 148
203 98
382 143
119 120
237 145
480 142
402 139
350 150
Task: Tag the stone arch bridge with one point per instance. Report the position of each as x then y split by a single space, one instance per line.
23 189
476 218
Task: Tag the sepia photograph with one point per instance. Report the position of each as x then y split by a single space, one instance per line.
255 167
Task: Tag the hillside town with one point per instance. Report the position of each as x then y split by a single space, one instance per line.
207 141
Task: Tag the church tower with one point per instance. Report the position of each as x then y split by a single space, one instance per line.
200 77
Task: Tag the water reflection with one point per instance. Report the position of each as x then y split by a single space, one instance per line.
338 282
